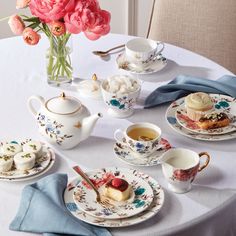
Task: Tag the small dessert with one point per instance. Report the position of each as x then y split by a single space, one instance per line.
5 163
11 149
117 189
24 160
34 147
198 105
213 121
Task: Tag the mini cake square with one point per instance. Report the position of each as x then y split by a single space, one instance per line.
11 149
33 147
24 160
5 163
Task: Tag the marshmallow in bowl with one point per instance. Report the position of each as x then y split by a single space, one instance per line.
11 149
121 84
34 147
24 160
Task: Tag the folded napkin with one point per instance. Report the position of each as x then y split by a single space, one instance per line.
182 85
42 210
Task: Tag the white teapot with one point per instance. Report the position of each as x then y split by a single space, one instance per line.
63 120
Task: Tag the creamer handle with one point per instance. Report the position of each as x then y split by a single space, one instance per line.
30 106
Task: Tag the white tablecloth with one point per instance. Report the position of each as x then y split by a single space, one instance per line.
209 209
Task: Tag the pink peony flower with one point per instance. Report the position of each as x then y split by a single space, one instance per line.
50 10
16 24
97 24
74 23
22 3
30 36
57 28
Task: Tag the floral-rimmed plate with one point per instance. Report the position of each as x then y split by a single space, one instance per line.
85 196
43 164
187 123
172 121
151 211
125 154
158 64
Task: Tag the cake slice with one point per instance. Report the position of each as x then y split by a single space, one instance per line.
117 189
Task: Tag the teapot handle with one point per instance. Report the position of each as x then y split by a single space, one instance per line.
30 106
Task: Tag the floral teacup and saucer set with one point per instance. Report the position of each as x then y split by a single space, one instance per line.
142 56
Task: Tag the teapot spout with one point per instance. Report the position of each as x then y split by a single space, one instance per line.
88 124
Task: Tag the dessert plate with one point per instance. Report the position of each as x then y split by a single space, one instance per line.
158 64
225 103
42 165
125 154
151 211
85 196
187 123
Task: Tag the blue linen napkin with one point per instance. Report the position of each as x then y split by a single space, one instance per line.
182 85
42 210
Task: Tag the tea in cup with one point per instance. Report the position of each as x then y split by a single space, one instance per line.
142 138
141 52
180 167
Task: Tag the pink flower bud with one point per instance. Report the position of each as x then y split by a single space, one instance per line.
16 24
30 36
57 28
22 3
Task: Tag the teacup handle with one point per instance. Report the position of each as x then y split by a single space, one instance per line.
163 47
207 160
30 106
118 135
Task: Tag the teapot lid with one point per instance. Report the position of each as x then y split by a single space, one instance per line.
63 105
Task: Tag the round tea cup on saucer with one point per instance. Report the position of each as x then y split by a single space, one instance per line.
141 52
180 167
120 93
141 138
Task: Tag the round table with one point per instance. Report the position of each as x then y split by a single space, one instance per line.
208 209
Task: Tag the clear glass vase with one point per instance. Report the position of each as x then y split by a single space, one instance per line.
59 66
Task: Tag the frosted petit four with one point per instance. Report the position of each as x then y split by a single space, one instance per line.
5 163
24 160
11 149
117 189
33 147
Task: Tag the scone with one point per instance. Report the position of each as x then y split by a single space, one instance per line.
24 160
117 189
5 163
34 147
198 105
213 121
11 149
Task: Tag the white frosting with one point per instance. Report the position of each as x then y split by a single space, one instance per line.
5 163
90 88
11 149
121 84
24 160
34 147
199 101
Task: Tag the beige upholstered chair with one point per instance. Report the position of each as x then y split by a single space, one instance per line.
207 27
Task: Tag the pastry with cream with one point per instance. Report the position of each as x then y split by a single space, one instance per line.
24 160
11 149
213 121
117 189
197 105
34 147
5 163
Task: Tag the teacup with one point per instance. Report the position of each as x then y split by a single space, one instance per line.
180 167
141 138
141 52
120 104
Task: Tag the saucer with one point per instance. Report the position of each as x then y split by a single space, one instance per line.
187 123
85 196
125 154
42 165
157 64
151 211
224 102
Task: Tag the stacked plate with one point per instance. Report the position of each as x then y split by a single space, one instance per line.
147 198
42 165
177 118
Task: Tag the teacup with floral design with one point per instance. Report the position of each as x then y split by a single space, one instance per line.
142 138
180 167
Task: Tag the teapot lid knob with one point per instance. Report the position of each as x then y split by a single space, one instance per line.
63 95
